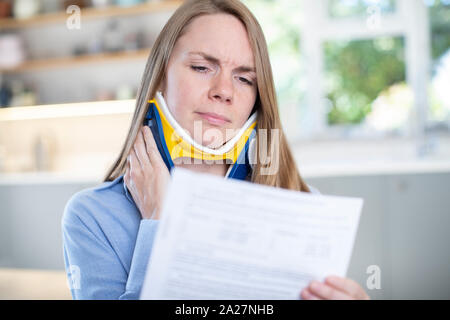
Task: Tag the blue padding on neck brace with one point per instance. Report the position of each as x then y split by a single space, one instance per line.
241 169
153 120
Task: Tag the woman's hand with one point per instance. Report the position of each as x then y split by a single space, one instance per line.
334 288
146 175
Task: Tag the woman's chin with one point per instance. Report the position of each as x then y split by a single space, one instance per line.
212 143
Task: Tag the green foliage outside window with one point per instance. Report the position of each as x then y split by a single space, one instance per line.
439 15
357 72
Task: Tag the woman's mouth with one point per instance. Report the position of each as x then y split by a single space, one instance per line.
214 118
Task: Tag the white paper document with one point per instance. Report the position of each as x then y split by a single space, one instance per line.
230 239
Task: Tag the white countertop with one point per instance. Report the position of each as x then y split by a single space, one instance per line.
369 168
374 168
315 159
49 178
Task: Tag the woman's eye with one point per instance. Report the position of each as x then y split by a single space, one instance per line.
199 68
204 69
246 81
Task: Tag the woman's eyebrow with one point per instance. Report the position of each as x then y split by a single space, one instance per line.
217 61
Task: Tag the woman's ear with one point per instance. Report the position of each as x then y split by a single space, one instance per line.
162 86
160 89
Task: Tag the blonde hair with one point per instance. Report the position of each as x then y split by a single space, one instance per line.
287 175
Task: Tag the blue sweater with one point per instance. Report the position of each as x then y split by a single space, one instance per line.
106 243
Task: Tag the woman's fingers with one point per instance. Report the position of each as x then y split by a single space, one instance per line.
148 137
135 167
334 288
325 291
307 295
143 177
152 149
140 150
349 286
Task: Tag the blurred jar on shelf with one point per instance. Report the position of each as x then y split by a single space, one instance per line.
22 95
24 9
5 93
12 52
101 3
113 40
5 8
124 92
103 95
94 45
79 3
49 6
134 41
127 3
44 151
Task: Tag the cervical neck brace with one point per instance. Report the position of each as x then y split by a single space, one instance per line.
174 142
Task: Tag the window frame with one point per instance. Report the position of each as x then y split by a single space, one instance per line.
409 20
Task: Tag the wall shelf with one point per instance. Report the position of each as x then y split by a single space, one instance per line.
71 61
33 72
90 13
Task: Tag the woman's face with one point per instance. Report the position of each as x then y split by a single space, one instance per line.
210 80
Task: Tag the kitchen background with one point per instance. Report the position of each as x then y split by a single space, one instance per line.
364 96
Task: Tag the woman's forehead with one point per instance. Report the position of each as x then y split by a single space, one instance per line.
221 36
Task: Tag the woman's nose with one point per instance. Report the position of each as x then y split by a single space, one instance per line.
222 88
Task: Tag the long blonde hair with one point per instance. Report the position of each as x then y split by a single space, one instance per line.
287 175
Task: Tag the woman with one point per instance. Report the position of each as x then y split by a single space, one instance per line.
211 65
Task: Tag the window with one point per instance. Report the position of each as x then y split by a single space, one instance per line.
359 68
439 14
